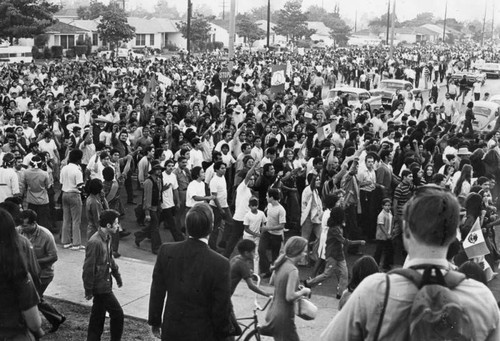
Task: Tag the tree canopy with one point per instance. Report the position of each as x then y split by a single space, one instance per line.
91 12
164 10
113 27
25 18
248 29
291 22
200 31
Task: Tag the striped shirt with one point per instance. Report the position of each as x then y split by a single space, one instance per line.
402 194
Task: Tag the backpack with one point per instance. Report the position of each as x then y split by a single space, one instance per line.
436 313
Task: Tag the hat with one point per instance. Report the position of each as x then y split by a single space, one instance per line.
102 119
463 151
238 108
156 165
73 126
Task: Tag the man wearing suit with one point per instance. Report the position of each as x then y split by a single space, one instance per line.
197 281
384 172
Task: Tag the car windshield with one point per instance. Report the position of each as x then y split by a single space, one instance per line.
364 96
491 66
392 86
482 111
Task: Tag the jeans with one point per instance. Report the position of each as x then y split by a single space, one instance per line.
129 188
150 231
385 248
235 233
101 304
168 218
309 228
47 310
256 240
43 214
352 229
271 242
214 235
72 216
333 266
180 214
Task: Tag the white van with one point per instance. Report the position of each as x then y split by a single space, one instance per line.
16 54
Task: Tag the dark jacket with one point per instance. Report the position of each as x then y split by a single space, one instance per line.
99 265
199 294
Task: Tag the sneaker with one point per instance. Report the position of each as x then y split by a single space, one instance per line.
67 246
77 247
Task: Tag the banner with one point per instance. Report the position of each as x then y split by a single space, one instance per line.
474 244
326 130
278 78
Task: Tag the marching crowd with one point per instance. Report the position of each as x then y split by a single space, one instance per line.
82 137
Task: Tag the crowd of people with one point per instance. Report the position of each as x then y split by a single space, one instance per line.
81 138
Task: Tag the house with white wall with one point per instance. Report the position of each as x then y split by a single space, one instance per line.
90 26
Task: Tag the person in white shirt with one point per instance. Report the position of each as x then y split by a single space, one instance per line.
196 190
170 201
209 173
220 207
9 181
257 153
196 154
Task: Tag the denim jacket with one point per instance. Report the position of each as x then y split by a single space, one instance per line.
99 265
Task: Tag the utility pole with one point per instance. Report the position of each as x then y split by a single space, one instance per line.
484 22
388 21
223 9
268 21
444 23
393 19
493 21
232 29
188 28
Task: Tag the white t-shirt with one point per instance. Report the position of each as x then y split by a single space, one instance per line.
276 215
254 222
194 189
243 195
48 147
218 185
168 194
196 157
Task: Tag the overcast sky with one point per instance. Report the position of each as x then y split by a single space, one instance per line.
405 9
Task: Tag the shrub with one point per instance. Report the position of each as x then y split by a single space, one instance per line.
218 45
41 40
171 47
70 53
47 54
81 49
57 51
36 53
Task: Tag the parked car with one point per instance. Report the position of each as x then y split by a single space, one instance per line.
486 113
492 70
356 97
471 77
388 88
495 99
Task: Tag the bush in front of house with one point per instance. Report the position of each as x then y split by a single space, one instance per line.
81 49
218 45
70 53
57 51
35 52
47 54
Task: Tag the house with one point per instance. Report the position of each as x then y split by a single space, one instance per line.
65 35
90 26
364 37
438 31
155 33
322 32
219 31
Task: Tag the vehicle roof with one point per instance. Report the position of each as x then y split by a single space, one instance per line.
487 104
495 97
402 81
349 89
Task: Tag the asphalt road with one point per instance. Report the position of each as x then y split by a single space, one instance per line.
327 288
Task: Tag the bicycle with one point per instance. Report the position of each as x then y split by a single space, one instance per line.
254 334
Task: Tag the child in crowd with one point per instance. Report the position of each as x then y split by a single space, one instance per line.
241 267
383 236
334 252
253 222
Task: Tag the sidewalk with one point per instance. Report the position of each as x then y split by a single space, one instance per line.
134 295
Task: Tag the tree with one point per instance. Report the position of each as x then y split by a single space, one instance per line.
316 13
248 29
25 18
200 31
139 12
339 30
291 22
419 20
91 12
260 13
379 24
113 27
164 10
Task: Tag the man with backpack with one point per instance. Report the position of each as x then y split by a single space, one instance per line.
426 299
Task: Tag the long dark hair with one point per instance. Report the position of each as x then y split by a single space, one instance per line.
12 263
362 268
466 174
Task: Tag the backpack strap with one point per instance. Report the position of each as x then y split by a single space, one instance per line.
382 314
451 280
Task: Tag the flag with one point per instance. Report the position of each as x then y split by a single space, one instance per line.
308 115
326 130
278 78
474 244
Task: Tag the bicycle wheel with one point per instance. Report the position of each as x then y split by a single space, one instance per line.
254 335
